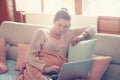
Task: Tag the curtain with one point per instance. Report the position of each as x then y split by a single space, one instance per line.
4 11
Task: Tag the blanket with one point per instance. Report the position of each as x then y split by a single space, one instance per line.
28 72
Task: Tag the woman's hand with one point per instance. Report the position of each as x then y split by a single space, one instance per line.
52 69
77 40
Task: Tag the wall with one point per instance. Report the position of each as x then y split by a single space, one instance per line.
47 19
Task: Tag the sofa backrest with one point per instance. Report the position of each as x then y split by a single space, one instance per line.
107 44
16 33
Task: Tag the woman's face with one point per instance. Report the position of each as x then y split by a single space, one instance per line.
61 25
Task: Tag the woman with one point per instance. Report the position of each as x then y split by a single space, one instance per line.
48 48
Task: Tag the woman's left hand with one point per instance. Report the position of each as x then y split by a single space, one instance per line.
77 40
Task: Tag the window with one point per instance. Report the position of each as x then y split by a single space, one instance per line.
52 6
101 7
32 6
11 9
48 6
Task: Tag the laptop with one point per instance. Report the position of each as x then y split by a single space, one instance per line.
75 69
78 65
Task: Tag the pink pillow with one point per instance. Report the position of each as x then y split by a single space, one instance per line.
3 65
100 65
22 50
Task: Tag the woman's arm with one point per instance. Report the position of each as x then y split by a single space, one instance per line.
82 33
86 31
32 56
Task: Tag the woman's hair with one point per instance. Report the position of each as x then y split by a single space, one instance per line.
62 14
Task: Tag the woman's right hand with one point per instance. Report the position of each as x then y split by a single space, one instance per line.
52 69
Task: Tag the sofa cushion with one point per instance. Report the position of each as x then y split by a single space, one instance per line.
16 32
100 65
12 53
3 66
108 45
112 73
11 74
7 47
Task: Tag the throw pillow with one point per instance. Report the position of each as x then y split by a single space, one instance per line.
3 65
22 50
81 51
99 66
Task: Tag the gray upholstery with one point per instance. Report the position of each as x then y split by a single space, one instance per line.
12 53
112 73
16 33
107 44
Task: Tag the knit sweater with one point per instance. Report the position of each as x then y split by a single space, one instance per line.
43 40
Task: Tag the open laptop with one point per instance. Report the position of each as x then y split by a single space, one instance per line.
79 61
75 69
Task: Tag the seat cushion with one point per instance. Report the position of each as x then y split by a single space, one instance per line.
112 73
11 74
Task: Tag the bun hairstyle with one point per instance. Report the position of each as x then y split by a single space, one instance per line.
62 14
64 9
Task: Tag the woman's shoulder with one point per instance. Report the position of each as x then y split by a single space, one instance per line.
41 31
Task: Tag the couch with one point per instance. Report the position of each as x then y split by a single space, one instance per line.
15 33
